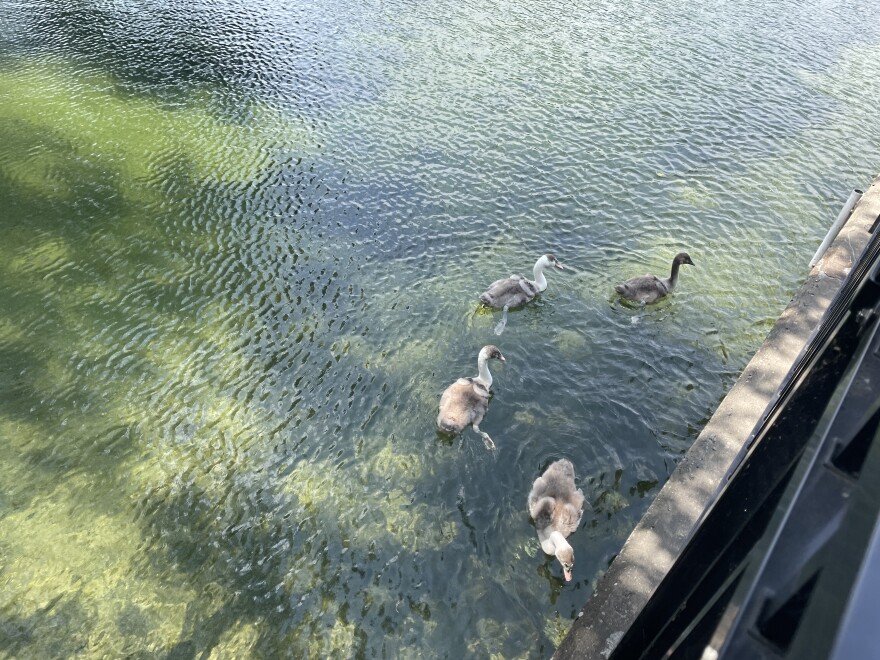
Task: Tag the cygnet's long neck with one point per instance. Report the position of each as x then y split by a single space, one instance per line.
559 542
673 276
485 377
540 280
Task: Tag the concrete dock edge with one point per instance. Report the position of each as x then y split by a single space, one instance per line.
656 541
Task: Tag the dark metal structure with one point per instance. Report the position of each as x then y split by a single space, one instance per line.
785 563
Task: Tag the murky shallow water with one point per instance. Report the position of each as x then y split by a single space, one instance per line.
241 252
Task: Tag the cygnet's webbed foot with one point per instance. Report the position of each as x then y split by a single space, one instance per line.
502 323
486 439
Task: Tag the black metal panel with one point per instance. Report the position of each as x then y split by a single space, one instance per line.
795 603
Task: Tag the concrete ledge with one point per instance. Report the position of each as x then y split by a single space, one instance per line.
655 543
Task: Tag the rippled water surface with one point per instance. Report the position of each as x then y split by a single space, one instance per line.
242 245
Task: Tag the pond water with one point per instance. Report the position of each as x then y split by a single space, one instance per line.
242 249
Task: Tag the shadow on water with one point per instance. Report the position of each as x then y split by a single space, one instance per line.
221 354
148 448
42 398
183 47
226 433
236 54
19 635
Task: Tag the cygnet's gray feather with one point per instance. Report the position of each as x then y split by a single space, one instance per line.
555 504
510 292
650 288
462 404
465 402
517 290
646 289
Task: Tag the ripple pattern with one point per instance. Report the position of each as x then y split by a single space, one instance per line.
242 252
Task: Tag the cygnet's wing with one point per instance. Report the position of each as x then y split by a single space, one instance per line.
541 505
509 292
567 516
569 500
644 289
463 403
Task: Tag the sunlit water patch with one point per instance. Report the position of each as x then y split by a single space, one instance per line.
242 252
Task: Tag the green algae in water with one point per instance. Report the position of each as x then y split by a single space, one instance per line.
211 453
572 343
136 135
52 569
696 196
83 567
526 417
556 629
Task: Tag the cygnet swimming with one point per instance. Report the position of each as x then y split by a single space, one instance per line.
465 402
556 506
650 288
516 290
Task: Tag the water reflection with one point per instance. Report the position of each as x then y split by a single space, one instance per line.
242 253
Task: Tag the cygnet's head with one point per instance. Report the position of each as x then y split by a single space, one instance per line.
683 258
565 555
490 351
550 260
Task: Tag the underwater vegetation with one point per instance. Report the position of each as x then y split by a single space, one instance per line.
241 252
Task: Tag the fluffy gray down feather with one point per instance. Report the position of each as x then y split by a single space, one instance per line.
554 502
462 404
510 292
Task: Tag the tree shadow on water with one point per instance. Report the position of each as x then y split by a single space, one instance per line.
18 634
246 573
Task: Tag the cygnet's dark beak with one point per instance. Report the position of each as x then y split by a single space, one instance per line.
689 261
